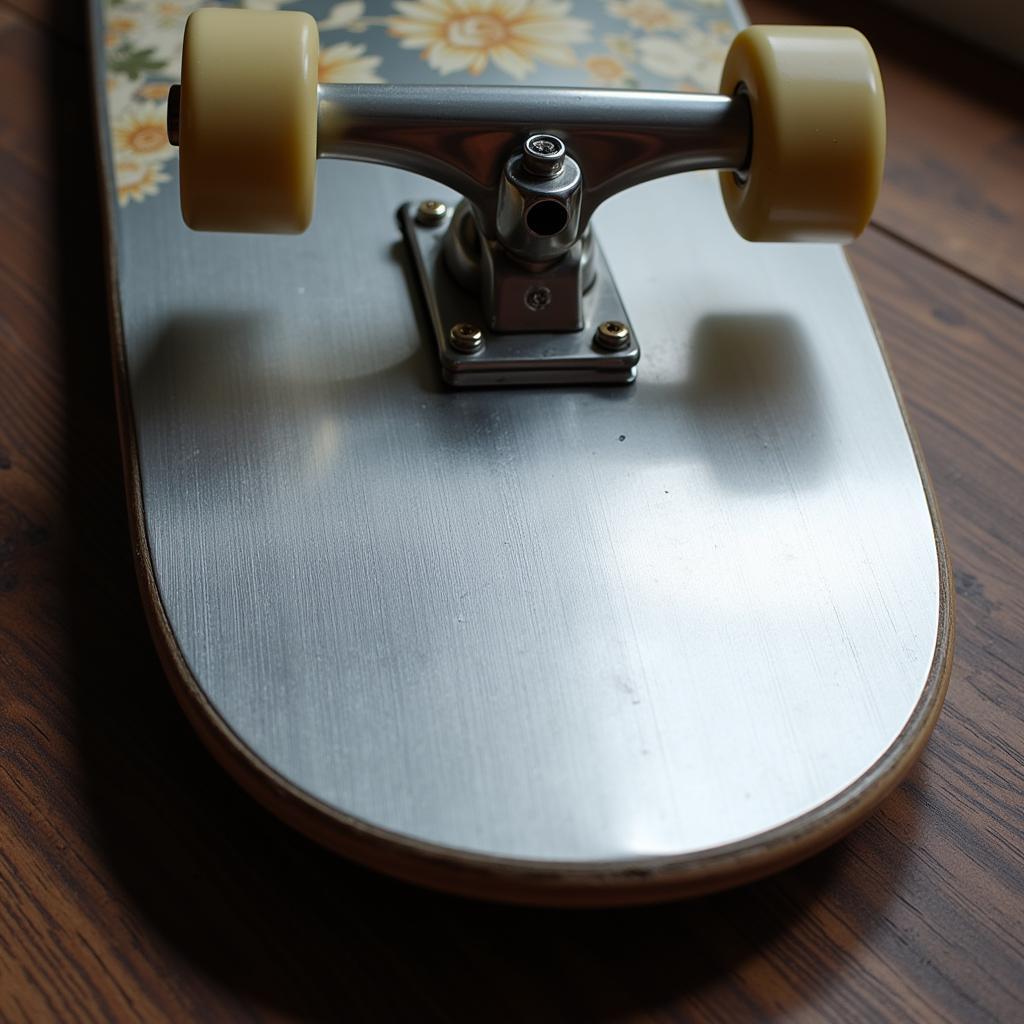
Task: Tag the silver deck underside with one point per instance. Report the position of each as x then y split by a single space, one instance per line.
551 624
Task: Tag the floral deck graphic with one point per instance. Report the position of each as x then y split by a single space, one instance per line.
652 44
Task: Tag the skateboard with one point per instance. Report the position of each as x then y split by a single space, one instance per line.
523 503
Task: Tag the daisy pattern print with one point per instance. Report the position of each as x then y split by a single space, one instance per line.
464 35
613 44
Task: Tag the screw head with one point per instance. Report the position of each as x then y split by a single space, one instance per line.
466 338
544 155
431 212
613 335
537 298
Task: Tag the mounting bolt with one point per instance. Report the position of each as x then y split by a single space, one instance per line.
543 155
613 335
431 212
466 338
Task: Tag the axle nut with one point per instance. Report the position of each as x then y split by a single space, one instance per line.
544 155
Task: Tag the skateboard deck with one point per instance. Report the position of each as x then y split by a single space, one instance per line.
568 645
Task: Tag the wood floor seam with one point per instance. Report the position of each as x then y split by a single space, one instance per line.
949 265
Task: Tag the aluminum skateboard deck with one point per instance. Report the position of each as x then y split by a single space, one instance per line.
573 645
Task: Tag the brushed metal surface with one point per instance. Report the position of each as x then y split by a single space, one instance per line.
551 624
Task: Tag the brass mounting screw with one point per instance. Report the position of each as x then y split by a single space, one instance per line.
431 212
613 335
466 338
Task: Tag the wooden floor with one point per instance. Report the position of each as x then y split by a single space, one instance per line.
136 880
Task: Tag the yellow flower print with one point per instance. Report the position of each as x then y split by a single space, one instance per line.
347 15
649 15
695 60
153 91
120 89
169 12
622 47
464 35
347 62
140 133
137 179
607 70
117 28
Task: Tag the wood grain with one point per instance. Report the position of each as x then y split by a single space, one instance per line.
137 882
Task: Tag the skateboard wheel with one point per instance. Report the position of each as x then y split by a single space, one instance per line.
818 134
247 120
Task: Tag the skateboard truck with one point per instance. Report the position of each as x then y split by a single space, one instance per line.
517 257
518 289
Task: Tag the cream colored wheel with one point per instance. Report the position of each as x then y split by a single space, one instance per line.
818 118
247 121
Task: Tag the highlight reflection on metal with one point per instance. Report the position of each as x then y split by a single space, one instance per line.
549 624
462 135
514 297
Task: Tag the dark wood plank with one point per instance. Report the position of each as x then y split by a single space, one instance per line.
137 882
48 14
954 177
